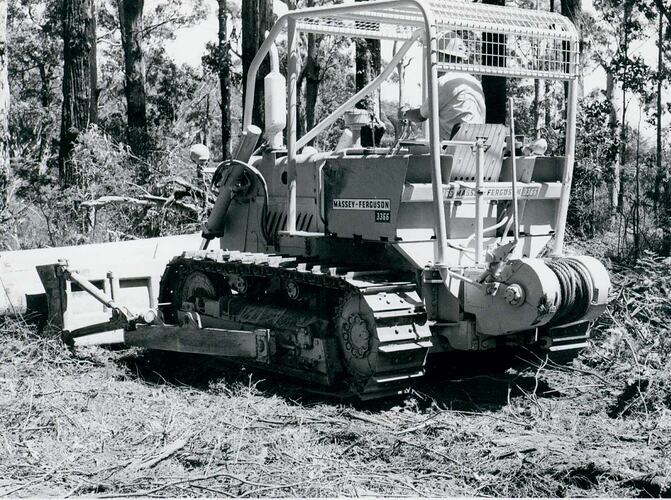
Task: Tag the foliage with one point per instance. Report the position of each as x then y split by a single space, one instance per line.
40 213
212 50
35 69
522 93
596 140
334 90
183 109
173 88
59 217
596 152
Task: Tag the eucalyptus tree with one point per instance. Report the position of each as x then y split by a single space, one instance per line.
257 18
79 80
4 104
132 34
624 22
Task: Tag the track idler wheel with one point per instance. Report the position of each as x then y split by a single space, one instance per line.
196 284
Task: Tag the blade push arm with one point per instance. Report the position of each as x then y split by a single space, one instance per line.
148 330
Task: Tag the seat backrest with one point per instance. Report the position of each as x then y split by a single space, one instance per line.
463 163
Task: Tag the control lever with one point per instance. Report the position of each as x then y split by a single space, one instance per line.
405 133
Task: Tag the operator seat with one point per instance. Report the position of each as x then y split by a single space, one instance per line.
463 159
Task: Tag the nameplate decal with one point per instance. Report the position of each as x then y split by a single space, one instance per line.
361 204
493 193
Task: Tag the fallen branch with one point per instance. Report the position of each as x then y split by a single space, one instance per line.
165 452
5 494
370 420
143 200
162 487
427 450
428 421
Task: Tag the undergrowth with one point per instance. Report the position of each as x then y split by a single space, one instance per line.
40 213
112 423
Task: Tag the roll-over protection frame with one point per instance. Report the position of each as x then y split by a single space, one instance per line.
502 41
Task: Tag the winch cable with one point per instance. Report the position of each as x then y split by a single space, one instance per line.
575 287
584 291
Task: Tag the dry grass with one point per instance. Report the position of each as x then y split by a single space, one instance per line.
129 423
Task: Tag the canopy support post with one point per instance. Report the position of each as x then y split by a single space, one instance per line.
292 73
567 177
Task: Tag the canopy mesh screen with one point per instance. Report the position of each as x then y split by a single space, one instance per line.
495 40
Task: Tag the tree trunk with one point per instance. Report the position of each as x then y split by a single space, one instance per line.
547 90
400 69
368 62
538 107
224 80
130 18
614 185
93 64
78 54
312 80
205 134
300 107
539 86
312 75
494 87
637 212
660 77
623 125
46 125
573 10
4 106
257 18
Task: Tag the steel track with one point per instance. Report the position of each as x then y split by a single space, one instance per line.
366 329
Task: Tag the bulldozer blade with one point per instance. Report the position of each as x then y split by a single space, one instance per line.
71 307
22 291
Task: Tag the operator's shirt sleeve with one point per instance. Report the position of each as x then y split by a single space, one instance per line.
447 89
460 100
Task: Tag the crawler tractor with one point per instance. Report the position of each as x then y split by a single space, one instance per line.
347 268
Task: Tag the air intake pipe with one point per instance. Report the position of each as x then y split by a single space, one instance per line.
275 100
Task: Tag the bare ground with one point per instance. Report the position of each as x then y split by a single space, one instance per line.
132 423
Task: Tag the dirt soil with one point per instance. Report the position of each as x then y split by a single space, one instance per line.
113 423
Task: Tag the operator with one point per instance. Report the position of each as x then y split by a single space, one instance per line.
460 96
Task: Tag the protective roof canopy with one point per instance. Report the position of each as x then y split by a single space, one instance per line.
506 41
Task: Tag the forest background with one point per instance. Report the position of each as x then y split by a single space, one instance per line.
96 116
